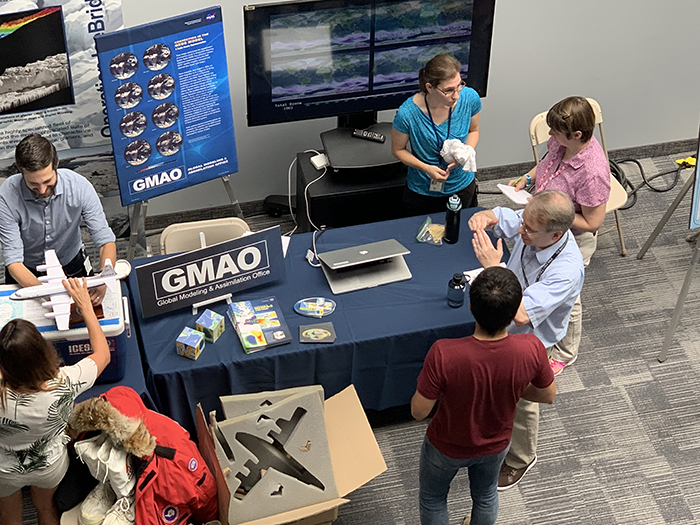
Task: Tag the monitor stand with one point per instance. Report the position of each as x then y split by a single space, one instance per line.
345 151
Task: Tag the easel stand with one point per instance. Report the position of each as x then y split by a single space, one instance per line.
675 318
679 304
672 208
135 220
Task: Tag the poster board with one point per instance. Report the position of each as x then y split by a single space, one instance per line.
695 207
169 105
49 74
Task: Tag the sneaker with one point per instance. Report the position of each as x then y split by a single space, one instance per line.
559 366
94 509
121 513
510 477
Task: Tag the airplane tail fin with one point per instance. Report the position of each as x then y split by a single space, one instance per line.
109 275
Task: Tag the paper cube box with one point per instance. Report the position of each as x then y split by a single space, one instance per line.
190 343
211 325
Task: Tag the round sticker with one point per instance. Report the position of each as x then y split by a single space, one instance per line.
315 307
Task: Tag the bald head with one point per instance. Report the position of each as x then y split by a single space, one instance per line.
552 209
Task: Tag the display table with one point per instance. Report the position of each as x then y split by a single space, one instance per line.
348 196
383 333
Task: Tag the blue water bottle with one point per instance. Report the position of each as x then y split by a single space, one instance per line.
456 290
454 206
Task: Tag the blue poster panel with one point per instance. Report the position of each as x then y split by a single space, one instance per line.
169 105
695 208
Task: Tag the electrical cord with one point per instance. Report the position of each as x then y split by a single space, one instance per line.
312 253
306 198
632 190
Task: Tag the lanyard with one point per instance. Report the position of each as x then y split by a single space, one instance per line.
545 266
546 180
435 129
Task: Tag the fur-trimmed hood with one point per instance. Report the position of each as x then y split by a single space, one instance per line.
120 413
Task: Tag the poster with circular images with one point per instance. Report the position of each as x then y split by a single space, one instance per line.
161 86
132 124
128 95
165 115
168 103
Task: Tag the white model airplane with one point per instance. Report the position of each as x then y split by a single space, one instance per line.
59 299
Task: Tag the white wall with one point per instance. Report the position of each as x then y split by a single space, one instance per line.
638 58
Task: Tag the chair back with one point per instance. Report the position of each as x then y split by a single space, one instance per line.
539 134
184 236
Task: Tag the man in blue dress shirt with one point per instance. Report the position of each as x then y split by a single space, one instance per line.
42 208
548 264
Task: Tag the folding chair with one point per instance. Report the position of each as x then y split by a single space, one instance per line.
185 236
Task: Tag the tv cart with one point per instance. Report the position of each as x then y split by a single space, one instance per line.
348 196
347 152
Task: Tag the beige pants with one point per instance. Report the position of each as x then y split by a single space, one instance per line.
566 350
527 415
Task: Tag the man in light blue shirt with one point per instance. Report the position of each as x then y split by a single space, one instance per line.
549 266
42 208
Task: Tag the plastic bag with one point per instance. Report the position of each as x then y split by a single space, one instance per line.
108 463
431 233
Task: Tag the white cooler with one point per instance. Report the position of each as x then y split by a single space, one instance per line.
72 345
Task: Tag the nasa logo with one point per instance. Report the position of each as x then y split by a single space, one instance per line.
170 514
146 183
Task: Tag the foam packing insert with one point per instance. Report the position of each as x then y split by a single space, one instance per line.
273 449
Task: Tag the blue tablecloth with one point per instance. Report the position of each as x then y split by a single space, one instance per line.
133 377
383 333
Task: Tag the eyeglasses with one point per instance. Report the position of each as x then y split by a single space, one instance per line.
526 229
452 91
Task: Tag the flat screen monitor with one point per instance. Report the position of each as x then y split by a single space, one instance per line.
352 58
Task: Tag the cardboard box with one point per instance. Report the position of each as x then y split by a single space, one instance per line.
211 325
354 454
190 343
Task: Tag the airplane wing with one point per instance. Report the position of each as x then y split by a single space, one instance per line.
60 310
53 268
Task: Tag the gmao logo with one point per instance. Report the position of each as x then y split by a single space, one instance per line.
154 181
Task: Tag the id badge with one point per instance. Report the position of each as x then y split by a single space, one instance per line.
88 265
436 186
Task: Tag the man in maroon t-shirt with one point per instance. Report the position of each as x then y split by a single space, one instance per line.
478 379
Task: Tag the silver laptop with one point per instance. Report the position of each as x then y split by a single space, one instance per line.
365 266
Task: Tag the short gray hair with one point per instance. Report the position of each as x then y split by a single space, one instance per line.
553 209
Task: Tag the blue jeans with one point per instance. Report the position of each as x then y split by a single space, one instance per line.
436 473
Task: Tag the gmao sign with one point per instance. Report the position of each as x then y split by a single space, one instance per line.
228 267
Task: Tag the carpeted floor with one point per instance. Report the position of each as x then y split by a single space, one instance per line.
621 443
